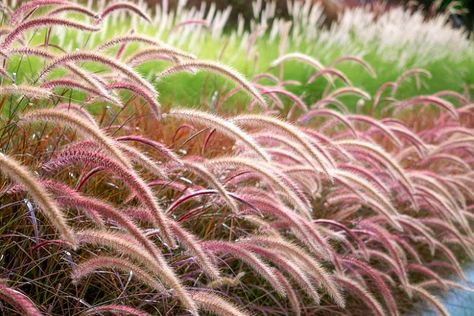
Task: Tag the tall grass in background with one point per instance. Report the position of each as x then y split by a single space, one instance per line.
157 162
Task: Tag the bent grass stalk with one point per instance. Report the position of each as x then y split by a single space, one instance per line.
123 244
21 175
80 125
351 201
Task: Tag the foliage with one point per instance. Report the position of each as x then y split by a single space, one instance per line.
270 198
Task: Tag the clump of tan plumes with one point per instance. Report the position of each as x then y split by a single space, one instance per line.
18 300
218 68
22 176
299 206
80 125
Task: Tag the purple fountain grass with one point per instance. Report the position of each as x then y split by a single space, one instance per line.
430 180
427 272
452 259
332 71
148 54
453 144
309 232
302 58
273 91
448 106
305 261
317 153
324 102
21 175
194 246
296 273
263 227
357 290
319 139
432 221
411 137
463 186
217 68
67 197
378 154
226 281
313 185
349 91
79 110
73 8
278 83
425 295
25 90
291 294
384 237
409 249
359 60
448 130
216 304
318 112
144 93
187 239
373 198
379 93
128 176
79 72
202 171
450 283
80 125
5 74
415 224
269 138
2 53
114 308
378 125
270 174
327 207
123 5
9 39
247 256
31 5
449 93
87 267
407 74
190 22
158 147
73 84
57 188
30 51
123 244
367 175
221 125
115 65
445 207
387 259
436 205
348 231
18 300
144 161
194 194
378 282
131 38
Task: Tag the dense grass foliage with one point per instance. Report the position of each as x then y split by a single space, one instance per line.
153 162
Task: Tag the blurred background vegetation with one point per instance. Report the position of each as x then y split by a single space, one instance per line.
462 11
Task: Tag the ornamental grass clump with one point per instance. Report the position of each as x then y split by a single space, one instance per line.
123 191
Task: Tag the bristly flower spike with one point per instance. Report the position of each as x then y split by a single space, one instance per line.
217 68
43 22
79 124
19 174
